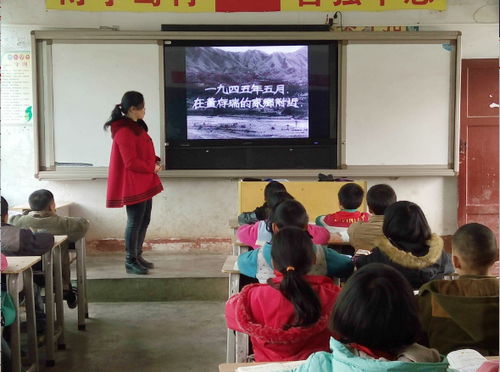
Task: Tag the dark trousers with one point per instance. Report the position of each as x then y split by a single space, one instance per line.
138 217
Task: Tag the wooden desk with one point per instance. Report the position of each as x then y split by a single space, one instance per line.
15 283
230 265
53 271
336 239
231 367
238 247
237 343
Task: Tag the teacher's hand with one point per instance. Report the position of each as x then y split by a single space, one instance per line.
157 168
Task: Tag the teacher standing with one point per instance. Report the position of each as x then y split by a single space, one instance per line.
133 175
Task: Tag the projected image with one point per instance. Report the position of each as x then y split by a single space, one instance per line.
247 92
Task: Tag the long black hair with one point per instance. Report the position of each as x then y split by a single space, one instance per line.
130 99
288 213
406 227
293 255
273 201
376 309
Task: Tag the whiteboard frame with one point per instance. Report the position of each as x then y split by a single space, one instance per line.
454 102
43 105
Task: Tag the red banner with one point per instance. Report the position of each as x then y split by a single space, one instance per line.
247 5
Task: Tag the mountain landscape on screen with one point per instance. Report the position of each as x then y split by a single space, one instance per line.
211 65
247 92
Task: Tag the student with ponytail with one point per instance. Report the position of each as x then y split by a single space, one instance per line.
287 318
132 178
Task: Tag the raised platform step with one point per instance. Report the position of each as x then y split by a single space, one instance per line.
176 277
112 266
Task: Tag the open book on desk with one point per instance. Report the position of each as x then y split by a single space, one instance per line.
466 360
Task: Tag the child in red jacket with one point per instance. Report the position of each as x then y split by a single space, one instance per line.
350 198
287 318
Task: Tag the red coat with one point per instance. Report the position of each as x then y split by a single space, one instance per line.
131 176
345 218
261 311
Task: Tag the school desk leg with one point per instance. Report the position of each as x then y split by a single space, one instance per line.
15 329
31 319
59 298
49 308
84 255
234 283
241 347
230 347
80 275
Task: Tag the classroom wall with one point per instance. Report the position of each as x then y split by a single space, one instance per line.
200 208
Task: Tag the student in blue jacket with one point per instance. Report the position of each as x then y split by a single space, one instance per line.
376 326
258 263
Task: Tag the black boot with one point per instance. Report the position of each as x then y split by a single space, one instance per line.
132 266
143 262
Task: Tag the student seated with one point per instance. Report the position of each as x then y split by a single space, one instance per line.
376 326
258 263
260 233
350 198
286 319
261 213
362 234
409 246
463 313
43 217
23 242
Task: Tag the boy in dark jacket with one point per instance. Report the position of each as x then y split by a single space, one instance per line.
463 313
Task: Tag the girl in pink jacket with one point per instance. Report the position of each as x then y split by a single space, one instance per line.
287 318
258 234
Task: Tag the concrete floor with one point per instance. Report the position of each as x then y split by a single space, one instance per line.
146 337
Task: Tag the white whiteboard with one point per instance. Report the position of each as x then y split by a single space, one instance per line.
398 104
88 81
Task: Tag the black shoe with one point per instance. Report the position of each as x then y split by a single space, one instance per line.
133 267
71 298
146 264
